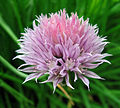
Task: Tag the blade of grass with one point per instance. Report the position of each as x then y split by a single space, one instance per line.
9 66
116 92
8 30
80 8
85 98
95 105
102 99
17 14
115 9
91 8
7 100
105 91
113 29
115 83
2 102
110 72
19 81
56 101
14 93
22 104
62 94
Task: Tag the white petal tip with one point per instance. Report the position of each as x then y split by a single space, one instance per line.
14 58
89 89
24 82
36 80
71 87
53 91
74 80
102 78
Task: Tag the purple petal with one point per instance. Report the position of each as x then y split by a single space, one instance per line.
90 65
39 75
62 72
77 70
50 79
55 82
92 75
28 69
75 77
30 77
85 80
67 81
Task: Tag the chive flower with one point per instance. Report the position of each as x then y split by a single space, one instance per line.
60 45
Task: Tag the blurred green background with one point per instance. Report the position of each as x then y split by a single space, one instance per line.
15 15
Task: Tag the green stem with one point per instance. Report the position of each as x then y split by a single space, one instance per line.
14 92
8 29
9 66
17 14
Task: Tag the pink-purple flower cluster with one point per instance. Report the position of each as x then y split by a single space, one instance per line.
61 45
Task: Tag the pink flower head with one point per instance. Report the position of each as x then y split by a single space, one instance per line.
61 45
